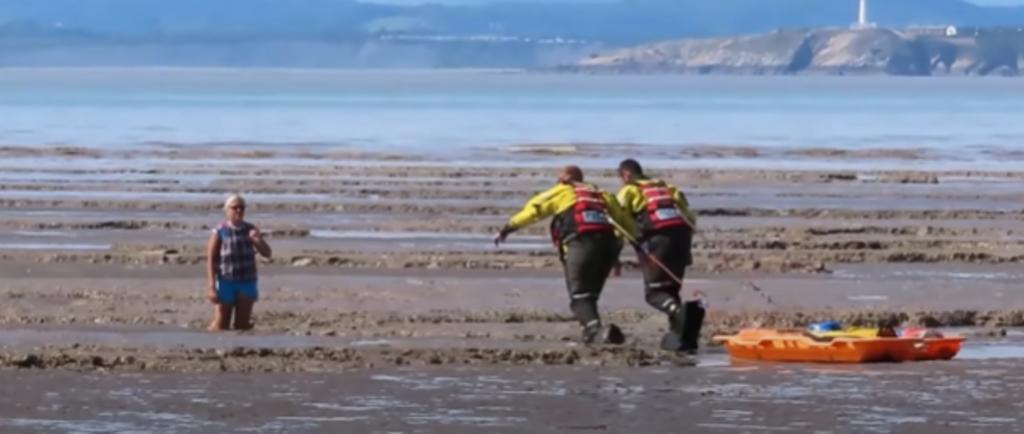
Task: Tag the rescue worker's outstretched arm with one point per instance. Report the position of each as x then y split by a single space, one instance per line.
538 208
623 218
631 201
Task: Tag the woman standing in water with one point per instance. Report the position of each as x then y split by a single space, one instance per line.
231 267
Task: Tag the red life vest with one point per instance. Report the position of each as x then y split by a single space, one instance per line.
662 212
588 215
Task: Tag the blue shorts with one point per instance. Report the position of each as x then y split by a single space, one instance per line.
229 290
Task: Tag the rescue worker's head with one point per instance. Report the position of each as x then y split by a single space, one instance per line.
234 208
570 174
630 170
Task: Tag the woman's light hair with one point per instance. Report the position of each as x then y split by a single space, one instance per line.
234 199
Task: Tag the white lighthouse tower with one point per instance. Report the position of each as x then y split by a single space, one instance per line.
862 16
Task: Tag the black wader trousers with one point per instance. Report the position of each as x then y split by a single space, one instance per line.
588 259
671 247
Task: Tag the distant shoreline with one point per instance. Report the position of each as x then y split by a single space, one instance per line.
565 70
591 155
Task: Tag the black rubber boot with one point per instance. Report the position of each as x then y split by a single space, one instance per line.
590 333
692 322
673 339
613 335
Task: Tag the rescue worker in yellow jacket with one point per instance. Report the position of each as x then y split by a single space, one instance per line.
665 225
583 231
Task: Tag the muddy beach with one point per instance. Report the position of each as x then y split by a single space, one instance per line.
384 281
887 398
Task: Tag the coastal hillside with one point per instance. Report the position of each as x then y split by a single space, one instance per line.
916 52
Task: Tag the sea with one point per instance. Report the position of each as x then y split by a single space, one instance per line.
963 121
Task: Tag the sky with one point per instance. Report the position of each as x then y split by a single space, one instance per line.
980 2
998 2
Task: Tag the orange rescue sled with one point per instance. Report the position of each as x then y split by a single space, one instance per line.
801 346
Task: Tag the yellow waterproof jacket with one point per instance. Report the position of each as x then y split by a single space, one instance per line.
632 199
561 198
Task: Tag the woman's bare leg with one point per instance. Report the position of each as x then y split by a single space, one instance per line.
221 317
243 312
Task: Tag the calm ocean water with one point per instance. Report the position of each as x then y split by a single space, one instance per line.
439 112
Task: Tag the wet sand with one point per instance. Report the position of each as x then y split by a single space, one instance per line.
961 398
383 267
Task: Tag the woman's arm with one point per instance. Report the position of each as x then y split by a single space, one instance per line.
212 263
260 243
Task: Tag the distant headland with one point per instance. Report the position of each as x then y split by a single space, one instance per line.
912 51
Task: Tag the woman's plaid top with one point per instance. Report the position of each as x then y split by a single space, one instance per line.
237 254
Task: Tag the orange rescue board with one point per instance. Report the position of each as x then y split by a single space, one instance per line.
800 346
940 348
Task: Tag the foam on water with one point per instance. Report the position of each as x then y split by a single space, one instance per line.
128 195
744 428
47 234
919 272
867 298
395 235
992 351
431 240
54 246
323 418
